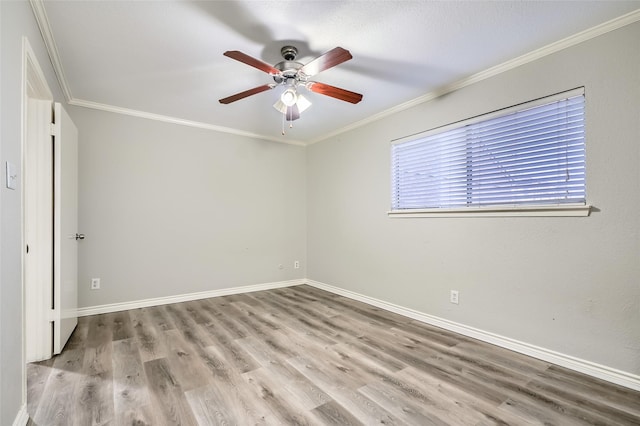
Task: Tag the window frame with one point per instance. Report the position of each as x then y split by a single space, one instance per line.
568 209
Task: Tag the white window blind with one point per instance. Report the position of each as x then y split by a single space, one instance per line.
529 155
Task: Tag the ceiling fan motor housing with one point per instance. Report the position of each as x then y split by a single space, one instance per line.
289 70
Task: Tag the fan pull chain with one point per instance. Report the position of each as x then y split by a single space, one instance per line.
290 125
282 124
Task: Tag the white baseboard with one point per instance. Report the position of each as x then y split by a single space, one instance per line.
22 417
145 303
603 372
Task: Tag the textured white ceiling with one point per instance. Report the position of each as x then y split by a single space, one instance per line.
165 57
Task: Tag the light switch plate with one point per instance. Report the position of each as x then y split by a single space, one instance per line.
12 176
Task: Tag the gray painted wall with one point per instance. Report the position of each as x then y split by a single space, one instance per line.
16 21
567 284
170 210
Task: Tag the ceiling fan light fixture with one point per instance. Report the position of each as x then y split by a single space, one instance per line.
302 103
289 97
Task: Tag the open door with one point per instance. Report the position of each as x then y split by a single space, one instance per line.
65 228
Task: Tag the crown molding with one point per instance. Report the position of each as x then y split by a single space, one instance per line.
534 55
45 29
179 121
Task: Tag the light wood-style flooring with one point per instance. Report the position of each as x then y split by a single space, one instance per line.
300 355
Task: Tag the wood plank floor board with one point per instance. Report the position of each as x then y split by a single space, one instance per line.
413 412
273 339
300 355
233 354
537 414
132 402
542 398
260 351
414 383
37 376
354 307
302 307
287 407
405 388
504 359
233 400
448 338
150 345
344 393
592 388
186 365
368 368
159 318
219 316
586 408
478 364
238 322
310 395
100 330
122 327
98 358
332 360
167 393
93 399
213 405
196 313
186 325
263 319
332 413
56 405
381 358
289 318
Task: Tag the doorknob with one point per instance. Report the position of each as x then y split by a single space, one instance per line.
79 236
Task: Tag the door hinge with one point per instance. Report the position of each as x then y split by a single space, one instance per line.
53 129
51 315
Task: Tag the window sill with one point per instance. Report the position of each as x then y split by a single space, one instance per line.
532 211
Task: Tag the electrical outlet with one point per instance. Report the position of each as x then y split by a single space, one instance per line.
296 264
453 297
95 283
281 266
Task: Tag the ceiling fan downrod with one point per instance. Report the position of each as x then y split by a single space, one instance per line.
289 53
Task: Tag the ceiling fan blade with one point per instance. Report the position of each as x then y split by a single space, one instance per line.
293 113
334 57
246 93
249 60
334 92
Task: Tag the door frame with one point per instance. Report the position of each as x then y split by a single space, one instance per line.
34 87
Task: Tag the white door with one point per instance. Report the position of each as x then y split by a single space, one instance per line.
38 229
65 228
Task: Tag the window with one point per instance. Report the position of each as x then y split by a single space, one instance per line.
530 157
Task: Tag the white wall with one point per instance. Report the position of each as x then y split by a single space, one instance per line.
170 210
16 21
571 285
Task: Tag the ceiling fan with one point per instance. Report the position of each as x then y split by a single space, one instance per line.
292 74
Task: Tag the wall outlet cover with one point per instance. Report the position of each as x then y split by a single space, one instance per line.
95 283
